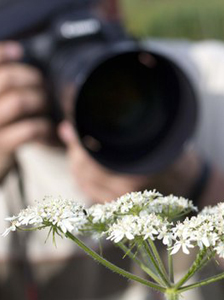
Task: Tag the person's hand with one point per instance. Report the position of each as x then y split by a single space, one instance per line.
22 101
98 183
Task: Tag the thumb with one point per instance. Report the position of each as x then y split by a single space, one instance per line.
66 133
10 51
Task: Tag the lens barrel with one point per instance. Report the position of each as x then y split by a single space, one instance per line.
133 108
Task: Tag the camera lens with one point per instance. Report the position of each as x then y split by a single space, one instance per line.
127 105
133 109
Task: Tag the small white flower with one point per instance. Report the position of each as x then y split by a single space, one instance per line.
126 227
101 213
182 243
165 235
220 249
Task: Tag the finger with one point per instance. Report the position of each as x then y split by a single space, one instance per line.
10 51
21 103
67 134
18 75
22 132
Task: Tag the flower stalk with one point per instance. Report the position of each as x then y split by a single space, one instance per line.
150 253
170 266
144 268
206 281
159 261
113 267
192 269
171 294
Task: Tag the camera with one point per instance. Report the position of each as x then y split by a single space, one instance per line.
133 108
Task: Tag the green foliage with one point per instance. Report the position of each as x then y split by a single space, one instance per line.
194 19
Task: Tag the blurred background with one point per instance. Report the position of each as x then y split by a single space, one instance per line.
195 20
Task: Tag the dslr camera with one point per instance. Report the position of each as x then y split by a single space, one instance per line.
133 108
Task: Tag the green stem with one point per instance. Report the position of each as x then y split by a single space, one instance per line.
145 258
170 265
193 269
31 228
172 296
113 267
157 257
206 260
152 258
147 262
140 264
201 283
179 216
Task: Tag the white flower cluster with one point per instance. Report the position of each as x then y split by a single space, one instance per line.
102 216
63 214
204 230
139 214
146 226
102 213
172 206
217 210
137 202
146 215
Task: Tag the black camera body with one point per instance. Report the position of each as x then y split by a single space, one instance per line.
133 108
64 50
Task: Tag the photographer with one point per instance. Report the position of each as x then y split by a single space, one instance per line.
33 165
23 102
